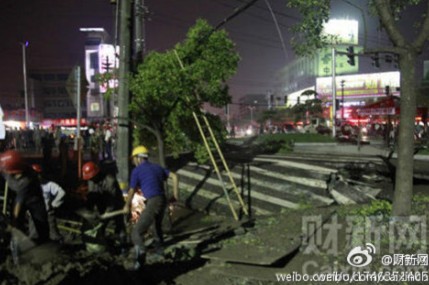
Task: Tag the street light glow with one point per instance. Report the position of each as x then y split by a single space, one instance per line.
91 29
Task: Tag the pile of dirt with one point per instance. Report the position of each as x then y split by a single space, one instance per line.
72 263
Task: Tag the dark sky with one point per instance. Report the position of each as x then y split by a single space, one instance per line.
52 29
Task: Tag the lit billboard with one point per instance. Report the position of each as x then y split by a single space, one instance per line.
345 31
359 86
108 60
98 60
295 97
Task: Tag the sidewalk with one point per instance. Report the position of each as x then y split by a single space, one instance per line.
373 149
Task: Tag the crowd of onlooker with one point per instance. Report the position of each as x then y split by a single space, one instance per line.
388 132
97 139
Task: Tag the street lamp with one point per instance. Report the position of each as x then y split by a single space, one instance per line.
342 100
251 108
24 68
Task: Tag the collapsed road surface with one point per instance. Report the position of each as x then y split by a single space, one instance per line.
202 224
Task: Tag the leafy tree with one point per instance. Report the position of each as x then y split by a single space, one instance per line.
312 107
165 94
406 45
105 80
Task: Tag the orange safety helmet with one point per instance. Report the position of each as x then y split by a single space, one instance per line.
11 162
37 168
89 170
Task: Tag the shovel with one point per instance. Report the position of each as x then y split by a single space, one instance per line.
94 216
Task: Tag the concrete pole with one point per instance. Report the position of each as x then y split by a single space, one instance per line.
342 100
78 143
334 93
123 152
138 28
24 68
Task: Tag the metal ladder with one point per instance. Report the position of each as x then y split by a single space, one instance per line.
212 158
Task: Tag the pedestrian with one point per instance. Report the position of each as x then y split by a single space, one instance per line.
104 196
107 153
94 145
149 178
63 149
48 143
37 138
23 182
53 195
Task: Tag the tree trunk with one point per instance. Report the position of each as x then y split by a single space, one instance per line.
161 151
405 163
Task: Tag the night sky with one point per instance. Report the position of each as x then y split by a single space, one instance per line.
52 29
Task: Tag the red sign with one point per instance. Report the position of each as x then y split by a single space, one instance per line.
67 122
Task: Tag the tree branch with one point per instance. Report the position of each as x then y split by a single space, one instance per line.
386 16
424 32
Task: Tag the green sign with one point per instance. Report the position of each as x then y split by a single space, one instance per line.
324 62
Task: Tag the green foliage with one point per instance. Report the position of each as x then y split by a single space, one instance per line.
308 33
376 208
201 155
304 203
104 79
418 198
396 7
287 147
165 95
420 204
297 138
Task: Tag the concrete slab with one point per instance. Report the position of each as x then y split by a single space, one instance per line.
282 234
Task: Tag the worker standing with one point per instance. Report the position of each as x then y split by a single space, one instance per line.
54 197
105 195
23 181
149 178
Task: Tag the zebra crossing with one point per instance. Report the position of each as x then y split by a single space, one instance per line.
267 184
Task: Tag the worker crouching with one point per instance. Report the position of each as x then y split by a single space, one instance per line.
105 196
22 180
53 195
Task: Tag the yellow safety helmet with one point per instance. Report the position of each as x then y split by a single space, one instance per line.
140 151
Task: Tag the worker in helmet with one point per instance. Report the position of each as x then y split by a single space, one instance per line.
149 178
54 198
29 197
105 195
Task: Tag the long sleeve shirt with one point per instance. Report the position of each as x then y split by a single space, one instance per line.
53 195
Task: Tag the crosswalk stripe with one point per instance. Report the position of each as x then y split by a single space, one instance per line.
292 191
255 194
305 166
211 196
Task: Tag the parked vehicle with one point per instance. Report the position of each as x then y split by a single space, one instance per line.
323 130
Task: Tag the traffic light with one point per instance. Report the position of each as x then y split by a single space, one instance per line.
387 90
375 60
396 61
337 104
351 55
388 58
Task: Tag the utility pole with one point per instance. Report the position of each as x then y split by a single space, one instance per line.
78 142
342 100
334 93
24 69
139 12
123 94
